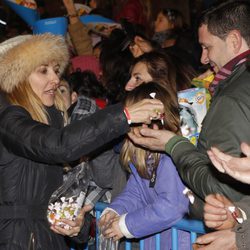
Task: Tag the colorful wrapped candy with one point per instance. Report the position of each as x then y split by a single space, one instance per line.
26 3
67 201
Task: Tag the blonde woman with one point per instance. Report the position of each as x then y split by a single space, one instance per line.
35 144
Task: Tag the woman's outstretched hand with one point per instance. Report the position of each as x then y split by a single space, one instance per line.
145 110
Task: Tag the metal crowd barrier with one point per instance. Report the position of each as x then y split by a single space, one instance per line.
194 227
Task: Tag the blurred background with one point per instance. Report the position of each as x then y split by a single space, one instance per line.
55 8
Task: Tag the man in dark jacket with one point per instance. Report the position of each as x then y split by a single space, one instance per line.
224 35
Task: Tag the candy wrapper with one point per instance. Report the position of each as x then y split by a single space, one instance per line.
82 9
204 83
66 202
26 3
99 25
192 106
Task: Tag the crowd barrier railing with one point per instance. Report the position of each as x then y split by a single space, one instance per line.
194 227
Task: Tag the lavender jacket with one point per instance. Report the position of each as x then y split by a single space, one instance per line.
151 210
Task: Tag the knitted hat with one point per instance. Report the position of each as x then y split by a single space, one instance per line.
20 56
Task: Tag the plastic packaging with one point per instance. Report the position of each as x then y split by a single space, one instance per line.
105 243
67 201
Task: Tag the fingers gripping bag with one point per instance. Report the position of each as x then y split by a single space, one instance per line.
67 201
106 243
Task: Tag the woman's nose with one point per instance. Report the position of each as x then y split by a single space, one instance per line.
55 79
130 85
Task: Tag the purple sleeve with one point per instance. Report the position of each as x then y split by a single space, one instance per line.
169 206
129 199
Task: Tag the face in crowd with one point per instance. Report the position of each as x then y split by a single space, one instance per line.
162 23
44 81
139 75
215 51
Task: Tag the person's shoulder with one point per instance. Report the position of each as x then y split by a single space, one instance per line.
238 81
166 167
3 101
165 160
12 112
9 108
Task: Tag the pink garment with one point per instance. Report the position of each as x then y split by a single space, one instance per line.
86 62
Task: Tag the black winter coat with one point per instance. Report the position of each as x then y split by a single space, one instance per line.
31 158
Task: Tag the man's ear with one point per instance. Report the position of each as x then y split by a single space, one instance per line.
235 41
74 97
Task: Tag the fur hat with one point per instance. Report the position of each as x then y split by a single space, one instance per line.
19 60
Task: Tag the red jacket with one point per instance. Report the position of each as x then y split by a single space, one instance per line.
133 12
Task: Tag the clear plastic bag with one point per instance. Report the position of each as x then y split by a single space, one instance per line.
106 244
67 201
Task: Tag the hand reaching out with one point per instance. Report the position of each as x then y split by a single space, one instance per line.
153 139
238 168
140 46
69 5
144 110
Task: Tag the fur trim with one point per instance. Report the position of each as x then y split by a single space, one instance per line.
17 63
10 43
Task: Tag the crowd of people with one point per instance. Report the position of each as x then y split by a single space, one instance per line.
111 102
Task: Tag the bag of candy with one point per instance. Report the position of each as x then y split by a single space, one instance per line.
67 201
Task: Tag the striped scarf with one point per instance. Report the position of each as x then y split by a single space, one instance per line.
227 70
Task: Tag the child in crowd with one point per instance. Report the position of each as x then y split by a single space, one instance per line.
166 27
153 199
176 37
87 90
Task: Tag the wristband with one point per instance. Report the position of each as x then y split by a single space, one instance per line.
234 214
127 115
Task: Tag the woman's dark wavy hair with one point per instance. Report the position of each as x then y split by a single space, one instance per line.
167 69
115 63
174 16
227 16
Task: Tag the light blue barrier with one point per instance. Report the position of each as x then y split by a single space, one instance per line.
194 227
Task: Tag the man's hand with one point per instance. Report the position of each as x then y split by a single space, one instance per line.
238 168
220 240
153 139
216 213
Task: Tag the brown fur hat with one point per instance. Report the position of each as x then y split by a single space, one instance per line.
18 62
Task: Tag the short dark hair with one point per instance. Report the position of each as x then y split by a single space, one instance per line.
174 16
85 83
227 16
